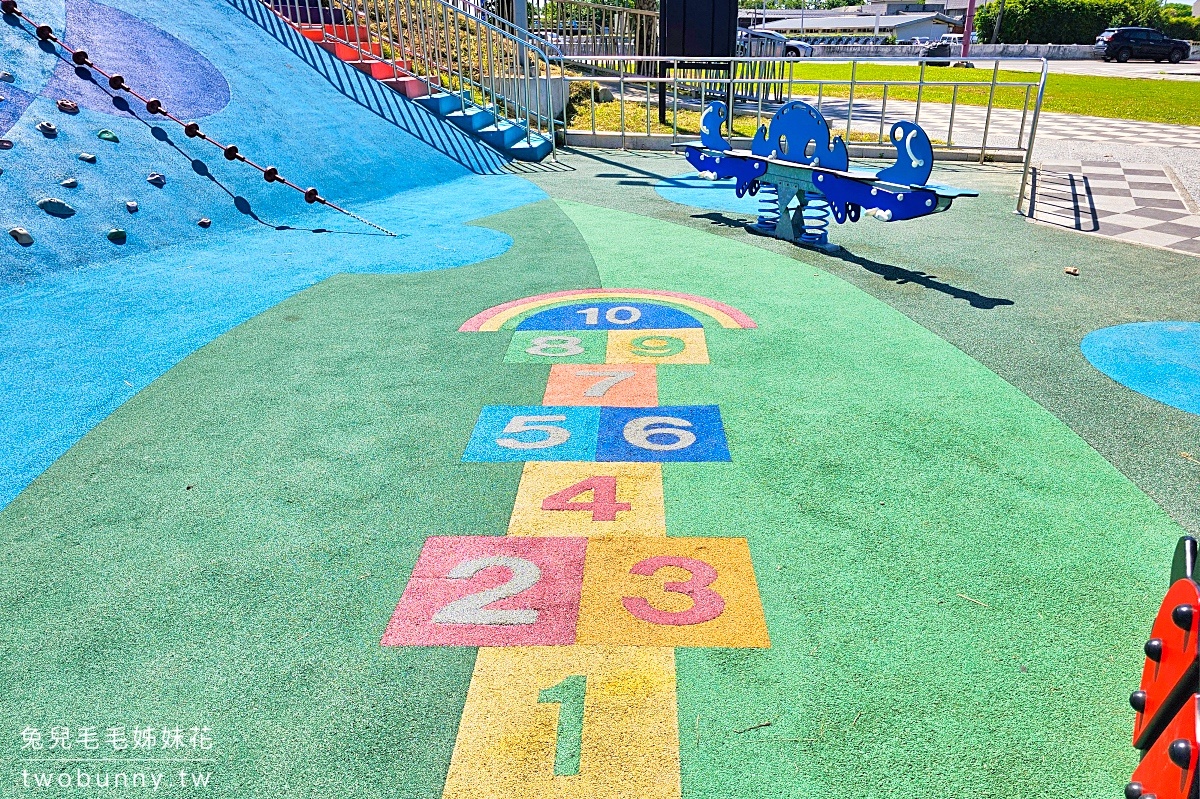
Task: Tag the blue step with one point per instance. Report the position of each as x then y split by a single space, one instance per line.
534 148
501 135
471 118
441 103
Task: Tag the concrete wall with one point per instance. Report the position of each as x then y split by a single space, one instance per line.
1052 51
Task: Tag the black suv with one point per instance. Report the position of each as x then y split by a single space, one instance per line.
1126 43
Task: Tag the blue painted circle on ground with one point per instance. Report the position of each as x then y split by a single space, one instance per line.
609 316
716 195
1158 359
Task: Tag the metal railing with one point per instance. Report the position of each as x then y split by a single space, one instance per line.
594 29
662 107
451 46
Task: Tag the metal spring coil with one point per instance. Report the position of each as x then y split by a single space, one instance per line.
768 207
816 218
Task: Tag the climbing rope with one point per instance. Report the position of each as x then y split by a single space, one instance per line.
190 129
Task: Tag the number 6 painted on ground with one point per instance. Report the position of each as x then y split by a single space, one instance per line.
707 604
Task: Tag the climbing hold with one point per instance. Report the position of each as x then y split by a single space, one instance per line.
131 206
7 77
116 236
107 135
156 179
205 222
22 236
48 129
56 207
6 144
69 183
87 157
68 106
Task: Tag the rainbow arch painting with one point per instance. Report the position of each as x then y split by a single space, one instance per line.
510 314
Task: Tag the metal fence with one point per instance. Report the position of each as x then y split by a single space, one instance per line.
659 105
579 28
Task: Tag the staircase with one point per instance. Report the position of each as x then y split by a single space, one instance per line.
459 61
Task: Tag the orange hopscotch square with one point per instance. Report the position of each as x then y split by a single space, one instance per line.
679 592
629 385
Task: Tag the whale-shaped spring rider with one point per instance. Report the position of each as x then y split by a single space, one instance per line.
797 159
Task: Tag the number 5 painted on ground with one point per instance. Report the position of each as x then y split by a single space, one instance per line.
521 424
707 604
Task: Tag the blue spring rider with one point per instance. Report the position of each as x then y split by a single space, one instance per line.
802 174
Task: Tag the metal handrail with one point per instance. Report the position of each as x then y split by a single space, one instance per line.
449 49
751 85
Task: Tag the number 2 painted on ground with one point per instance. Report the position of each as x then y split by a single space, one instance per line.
707 604
604 505
472 608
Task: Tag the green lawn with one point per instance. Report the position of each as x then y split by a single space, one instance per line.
1176 102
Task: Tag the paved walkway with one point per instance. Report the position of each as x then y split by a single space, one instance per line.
1187 70
1136 203
1005 125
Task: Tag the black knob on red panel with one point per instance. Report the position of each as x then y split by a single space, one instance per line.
1182 615
1154 649
1133 790
1137 701
1180 752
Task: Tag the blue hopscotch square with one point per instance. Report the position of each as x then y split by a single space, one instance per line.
534 433
667 433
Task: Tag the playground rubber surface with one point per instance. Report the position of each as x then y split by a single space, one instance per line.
866 526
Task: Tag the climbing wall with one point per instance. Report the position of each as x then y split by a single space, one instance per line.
134 245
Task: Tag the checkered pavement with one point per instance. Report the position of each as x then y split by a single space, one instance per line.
1137 203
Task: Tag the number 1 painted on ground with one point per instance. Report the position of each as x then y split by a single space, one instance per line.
568 747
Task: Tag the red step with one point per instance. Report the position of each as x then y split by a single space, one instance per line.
314 33
349 33
376 69
352 53
410 87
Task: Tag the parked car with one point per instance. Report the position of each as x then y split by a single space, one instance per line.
768 44
920 40
760 44
1123 44
798 49
955 39
937 50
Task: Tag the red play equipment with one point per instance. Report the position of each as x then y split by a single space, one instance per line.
1167 726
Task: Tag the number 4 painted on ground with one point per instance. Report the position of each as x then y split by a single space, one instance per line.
604 505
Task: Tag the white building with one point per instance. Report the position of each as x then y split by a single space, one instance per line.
902 26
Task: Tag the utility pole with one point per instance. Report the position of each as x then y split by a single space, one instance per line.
996 27
968 27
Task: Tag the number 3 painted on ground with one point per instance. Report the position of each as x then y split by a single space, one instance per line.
707 604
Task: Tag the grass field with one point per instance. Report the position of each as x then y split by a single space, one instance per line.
1176 102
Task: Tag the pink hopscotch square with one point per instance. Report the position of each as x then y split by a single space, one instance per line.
491 591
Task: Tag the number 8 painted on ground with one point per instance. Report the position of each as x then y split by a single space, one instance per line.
707 604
